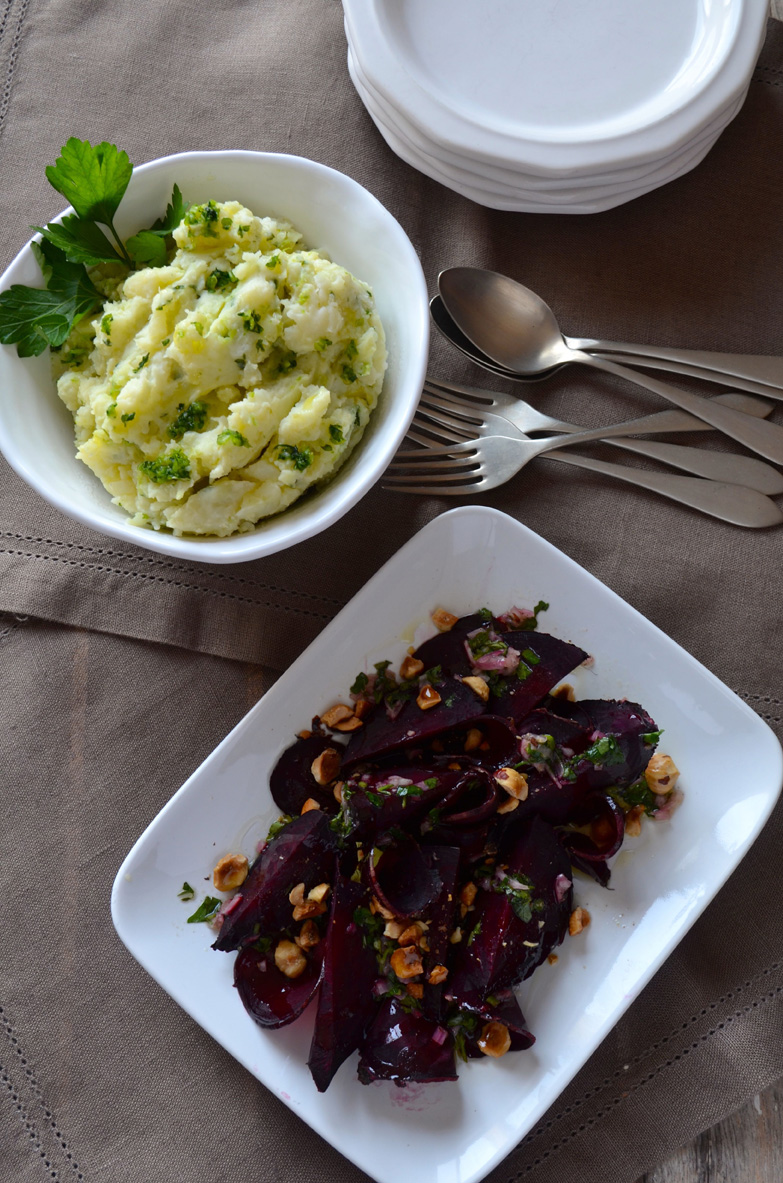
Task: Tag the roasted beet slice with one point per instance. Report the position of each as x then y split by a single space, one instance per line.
496 747
345 1002
405 1046
292 782
301 853
627 756
472 801
502 1007
448 649
504 938
567 733
267 994
547 658
403 878
445 860
396 796
413 725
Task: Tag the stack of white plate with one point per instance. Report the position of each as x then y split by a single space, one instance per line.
553 106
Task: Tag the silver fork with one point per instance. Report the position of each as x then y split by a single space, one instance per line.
465 422
448 403
476 466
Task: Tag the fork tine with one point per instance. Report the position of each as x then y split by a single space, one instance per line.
438 386
465 448
437 433
437 490
439 464
467 426
453 479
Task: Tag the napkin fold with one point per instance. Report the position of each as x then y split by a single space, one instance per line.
130 666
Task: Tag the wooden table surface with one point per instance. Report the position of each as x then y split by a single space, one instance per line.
748 1146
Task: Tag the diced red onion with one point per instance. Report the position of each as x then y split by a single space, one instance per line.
668 805
562 886
440 1035
514 617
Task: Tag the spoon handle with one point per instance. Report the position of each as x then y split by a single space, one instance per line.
731 503
688 371
755 367
758 435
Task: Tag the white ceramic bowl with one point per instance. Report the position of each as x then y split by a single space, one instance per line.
335 214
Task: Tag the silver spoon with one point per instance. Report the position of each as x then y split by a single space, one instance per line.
516 329
448 329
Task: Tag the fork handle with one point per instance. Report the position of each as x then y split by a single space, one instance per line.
760 436
755 367
731 503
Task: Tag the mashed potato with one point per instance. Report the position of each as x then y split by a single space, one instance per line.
214 391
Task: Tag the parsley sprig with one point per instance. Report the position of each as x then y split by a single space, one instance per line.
94 181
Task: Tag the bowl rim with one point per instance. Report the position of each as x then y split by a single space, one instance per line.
255 544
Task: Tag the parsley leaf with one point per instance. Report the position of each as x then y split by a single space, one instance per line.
147 249
93 180
79 240
32 318
187 893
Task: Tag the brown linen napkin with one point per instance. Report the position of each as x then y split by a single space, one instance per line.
108 1080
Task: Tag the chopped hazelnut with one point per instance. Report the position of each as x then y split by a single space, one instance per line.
494 1040
578 921
444 620
552 958
319 893
509 805
362 708
661 774
411 668
478 686
456 936
393 929
415 989
296 894
336 714
230 872
337 792
309 804
290 959
376 906
514 783
308 935
304 734
308 909
473 739
633 821
326 766
411 935
437 975
427 697
351 724
566 692
468 894
406 962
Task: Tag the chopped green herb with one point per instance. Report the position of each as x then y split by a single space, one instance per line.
351 350
349 374
226 223
251 321
128 416
360 684
321 344
287 363
106 325
189 418
188 893
221 281
205 911
111 411
142 363
530 657
336 433
272 262
474 933
278 825
651 738
172 466
301 458
166 341
229 436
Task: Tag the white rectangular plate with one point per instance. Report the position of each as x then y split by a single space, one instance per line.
731 766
